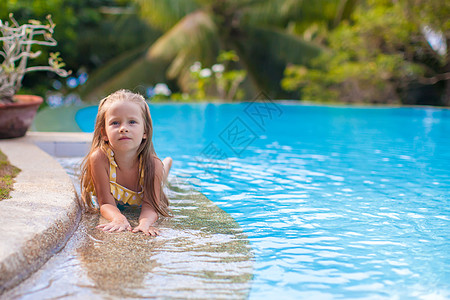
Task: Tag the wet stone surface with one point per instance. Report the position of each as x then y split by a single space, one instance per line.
201 253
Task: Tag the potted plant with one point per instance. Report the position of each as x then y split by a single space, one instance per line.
17 111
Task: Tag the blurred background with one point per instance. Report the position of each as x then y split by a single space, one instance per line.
346 51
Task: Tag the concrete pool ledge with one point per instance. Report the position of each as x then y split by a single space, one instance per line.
43 210
44 213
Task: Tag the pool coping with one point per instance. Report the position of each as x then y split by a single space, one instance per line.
44 209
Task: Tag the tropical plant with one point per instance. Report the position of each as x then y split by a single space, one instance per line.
217 81
17 41
266 35
388 50
90 34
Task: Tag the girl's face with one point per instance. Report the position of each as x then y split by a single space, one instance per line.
124 126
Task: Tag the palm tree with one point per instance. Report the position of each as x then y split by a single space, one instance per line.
266 35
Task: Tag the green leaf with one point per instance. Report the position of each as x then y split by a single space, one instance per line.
164 14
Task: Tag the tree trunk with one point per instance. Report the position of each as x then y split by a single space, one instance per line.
446 93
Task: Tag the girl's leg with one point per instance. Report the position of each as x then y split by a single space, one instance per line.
167 163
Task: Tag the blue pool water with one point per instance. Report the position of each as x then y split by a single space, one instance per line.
338 202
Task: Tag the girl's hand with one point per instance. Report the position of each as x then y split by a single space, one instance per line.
115 225
147 230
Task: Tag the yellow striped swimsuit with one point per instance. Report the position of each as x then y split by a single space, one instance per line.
121 193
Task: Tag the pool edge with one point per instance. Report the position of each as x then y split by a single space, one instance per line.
43 210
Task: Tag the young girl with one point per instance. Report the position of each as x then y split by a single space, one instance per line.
122 167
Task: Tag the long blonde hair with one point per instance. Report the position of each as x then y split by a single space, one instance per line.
146 152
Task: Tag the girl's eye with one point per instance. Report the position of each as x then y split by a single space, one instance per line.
133 122
114 123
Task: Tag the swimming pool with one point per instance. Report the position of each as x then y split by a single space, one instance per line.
338 202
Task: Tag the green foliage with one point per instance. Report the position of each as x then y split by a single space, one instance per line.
373 59
95 87
433 13
219 81
89 33
260 33
165 14
55 61
7 174
17 50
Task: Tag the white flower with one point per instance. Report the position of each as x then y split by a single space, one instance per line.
218 68
195 67
162 89
205 73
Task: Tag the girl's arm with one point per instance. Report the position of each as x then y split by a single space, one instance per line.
148 214
108 208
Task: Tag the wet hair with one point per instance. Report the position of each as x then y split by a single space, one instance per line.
146 153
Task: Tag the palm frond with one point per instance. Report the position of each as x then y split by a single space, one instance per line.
193 38
110 70
143 72
345 10
164 14
266 52
281 13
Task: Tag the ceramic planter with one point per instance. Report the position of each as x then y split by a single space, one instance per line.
16 118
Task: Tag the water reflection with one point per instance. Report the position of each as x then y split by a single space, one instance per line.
117 263
201 253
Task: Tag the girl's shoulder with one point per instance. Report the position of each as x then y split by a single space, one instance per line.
99 165
98 156
157 163
155 158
